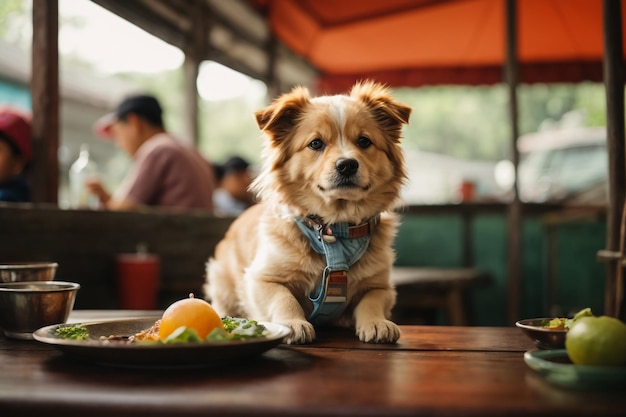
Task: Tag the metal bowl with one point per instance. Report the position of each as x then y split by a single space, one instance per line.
28 306
27 271
544 337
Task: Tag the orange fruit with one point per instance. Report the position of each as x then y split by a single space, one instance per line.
193 313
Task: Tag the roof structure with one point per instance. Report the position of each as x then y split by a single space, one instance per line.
232 32
332 43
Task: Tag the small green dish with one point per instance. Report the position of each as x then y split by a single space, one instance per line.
556 367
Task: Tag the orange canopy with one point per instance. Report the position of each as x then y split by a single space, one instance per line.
418 42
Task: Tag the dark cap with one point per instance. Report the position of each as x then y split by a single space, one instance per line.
235 164
15 127
144 106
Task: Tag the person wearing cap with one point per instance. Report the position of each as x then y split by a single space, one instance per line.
15 153
232 196
164 172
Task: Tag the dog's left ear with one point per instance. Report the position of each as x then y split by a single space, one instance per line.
389 113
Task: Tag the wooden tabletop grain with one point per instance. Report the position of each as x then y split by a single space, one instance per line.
432 371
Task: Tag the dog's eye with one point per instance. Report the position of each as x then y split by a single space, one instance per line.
363 142
316 145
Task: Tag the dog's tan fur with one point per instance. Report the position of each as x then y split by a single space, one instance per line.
265 268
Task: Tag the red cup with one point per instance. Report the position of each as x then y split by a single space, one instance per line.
466 190
137 281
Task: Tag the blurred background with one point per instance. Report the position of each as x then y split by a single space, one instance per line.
458 136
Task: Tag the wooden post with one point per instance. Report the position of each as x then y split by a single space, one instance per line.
514 215
46 102
614 85
195 50
191 125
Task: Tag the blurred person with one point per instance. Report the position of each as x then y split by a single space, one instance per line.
232 196
15 152
163 172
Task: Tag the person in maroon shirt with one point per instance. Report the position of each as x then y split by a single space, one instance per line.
164 172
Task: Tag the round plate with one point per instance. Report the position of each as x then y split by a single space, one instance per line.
557 369
156 355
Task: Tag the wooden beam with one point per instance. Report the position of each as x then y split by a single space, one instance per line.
514 218
273 83
614 85
144 17
45 101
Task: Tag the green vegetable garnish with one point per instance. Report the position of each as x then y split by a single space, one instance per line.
218 335
234 329
76 332
564 323
240 328
585 312
183 335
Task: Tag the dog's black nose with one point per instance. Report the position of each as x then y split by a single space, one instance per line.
347 166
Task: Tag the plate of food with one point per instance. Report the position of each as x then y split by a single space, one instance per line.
186 338
555 366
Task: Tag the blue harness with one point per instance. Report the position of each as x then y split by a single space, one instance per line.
342 245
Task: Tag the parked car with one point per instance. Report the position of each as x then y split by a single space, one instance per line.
559 165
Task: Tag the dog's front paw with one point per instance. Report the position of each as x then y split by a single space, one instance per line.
301 332
383 331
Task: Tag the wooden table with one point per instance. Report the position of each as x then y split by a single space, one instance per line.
432 371
444 289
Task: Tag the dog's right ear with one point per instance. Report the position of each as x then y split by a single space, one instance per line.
281 116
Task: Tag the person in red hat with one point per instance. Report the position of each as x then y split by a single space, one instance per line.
15 152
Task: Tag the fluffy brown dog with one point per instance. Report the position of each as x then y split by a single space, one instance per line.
317 249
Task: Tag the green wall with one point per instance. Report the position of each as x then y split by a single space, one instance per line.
560 273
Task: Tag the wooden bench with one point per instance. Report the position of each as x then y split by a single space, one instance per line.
436 289
86 244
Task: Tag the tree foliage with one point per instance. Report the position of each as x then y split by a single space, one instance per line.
474 122
14 19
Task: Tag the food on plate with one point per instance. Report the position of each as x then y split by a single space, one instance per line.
193 314
232 328
595 340
190 320
562 323
557 323
73 332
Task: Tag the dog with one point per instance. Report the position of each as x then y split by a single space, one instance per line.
316 249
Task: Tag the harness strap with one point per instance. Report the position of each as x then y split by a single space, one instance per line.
342 245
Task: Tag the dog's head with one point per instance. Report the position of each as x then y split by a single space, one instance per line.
338 157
